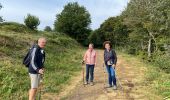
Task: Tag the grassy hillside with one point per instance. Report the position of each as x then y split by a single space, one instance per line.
63 56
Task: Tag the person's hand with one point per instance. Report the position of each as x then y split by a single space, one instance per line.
95 64
41 71
114 66
83 62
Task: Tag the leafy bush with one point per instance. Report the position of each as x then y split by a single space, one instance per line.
163 62
97 38
47 29
32 22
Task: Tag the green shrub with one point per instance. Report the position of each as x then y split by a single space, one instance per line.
47 29
132 51
163 62
32 22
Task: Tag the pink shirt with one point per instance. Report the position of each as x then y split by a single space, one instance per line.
90 57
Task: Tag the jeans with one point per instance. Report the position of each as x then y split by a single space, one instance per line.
111 75
89 70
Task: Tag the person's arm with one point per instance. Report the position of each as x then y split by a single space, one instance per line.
33 59
43 60
104 62
104 56
95 58
115 58
115 55
85 56
42 66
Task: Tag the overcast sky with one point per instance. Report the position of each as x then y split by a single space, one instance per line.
46 10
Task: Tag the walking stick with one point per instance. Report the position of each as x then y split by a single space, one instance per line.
83 73
119 83
40 88
104 78
117 78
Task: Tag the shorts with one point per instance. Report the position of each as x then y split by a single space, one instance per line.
35 80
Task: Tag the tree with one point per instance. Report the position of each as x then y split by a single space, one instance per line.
97 37
111 30
47 29
149 20
114 31
74 20
1 20
32 22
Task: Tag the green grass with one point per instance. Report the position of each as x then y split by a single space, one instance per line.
156 79
159 80
63 57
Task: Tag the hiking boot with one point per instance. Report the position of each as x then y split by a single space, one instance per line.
91 83
114 87
86 83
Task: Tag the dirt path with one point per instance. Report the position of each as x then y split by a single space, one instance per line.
130 74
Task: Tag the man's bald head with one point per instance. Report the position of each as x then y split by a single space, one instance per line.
42 42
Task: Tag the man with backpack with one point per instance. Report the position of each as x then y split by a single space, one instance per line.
35 62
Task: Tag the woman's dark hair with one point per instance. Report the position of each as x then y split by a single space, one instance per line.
107 42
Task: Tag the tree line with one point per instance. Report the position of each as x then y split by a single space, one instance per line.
142 29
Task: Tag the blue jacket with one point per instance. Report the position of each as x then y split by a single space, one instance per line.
37 59
110 56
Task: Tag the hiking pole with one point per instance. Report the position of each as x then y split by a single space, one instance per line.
104 78
117 78
83 72
40 89
119 83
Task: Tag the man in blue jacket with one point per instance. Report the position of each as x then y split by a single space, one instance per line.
36 66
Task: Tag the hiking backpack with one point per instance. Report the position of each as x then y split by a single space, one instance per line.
27 58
